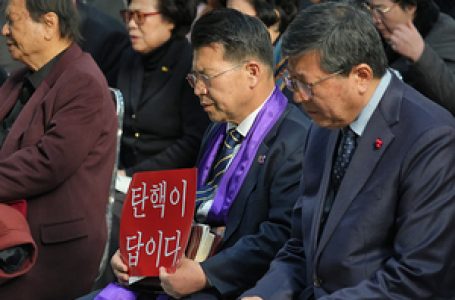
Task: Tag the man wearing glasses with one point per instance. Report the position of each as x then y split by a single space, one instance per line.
419 43
251 158
374 219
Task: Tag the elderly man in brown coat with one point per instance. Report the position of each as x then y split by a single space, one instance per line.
57 148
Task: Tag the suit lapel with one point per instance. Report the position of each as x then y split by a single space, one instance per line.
22 122
10 93
366 157
28 112
318 159
323 192
238 207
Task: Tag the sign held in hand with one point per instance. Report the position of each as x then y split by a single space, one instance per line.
156 220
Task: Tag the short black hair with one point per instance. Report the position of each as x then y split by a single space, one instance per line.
266 10
242 36
181 13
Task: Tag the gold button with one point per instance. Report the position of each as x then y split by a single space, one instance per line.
164 69
136 135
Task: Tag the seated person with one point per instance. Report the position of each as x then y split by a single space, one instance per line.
57 148
252 199
374 219
420 43
163 123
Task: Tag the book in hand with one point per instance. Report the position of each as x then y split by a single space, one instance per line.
203 242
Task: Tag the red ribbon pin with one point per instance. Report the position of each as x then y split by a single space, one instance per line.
378 144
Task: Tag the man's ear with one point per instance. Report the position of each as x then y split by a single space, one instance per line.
254 71
362 74
51 25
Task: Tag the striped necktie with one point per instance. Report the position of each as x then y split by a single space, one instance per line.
224 156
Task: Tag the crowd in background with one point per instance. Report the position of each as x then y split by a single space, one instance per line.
162 56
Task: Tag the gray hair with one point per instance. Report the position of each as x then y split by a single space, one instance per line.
344 36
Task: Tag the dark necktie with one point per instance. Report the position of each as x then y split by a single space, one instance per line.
345 151
225 154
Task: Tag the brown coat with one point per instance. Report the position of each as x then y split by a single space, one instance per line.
59 156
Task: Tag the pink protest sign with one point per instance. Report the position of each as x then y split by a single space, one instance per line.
156 219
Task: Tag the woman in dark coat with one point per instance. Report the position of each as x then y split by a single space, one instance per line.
163 122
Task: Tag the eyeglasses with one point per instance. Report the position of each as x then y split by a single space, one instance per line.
379 9
296 85
138 16
194 76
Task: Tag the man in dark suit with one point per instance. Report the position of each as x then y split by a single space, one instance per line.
252 199
384 230
57 148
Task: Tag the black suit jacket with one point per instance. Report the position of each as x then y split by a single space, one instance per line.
259 219
164 129
389 234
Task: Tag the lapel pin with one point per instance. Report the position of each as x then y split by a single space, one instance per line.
164 69
261 159
378 144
